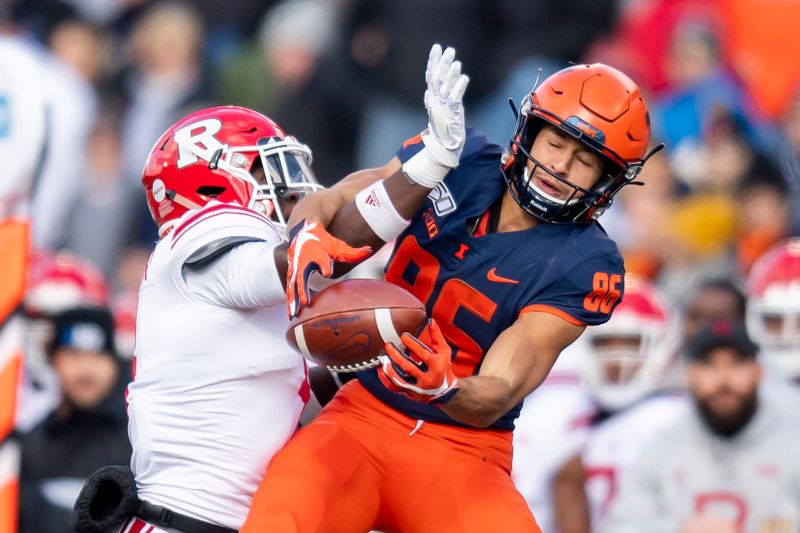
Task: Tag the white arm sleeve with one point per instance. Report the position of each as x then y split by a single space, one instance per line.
243 278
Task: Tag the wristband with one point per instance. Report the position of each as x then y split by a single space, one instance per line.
378 211
429 166
447 396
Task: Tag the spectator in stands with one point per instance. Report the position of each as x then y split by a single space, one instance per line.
701 88
763 199
316 89
88 428
790 156
732 466
711 299
165 82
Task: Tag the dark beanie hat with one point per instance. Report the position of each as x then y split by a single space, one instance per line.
86 328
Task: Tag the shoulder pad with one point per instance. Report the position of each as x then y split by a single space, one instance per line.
208 252
478 145
216 221
207 233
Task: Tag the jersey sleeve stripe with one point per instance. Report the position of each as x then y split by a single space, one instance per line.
541 308
217 208
201 213
241 212
413 140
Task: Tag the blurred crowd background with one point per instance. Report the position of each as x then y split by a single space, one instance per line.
722 78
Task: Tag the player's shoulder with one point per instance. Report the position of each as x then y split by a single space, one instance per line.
585 248
591 239
576 251
218 220
477 145
214 228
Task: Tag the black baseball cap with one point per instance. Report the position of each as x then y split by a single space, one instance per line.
85 328
721 333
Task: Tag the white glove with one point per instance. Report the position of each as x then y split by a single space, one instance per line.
446 133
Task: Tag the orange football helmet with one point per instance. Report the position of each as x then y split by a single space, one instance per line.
599 106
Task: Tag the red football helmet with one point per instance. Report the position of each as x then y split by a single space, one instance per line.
229 154
599 106
59 281
629 356
773 307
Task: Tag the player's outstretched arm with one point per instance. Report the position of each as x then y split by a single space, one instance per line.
385 206
372 206
516 364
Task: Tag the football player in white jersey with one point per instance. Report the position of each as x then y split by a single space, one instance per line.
23 128
625 360
217 390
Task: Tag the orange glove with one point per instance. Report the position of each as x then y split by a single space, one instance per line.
313 249
424 374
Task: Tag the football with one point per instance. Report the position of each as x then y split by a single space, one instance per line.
348 323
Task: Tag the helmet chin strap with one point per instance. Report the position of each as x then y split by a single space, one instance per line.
653 152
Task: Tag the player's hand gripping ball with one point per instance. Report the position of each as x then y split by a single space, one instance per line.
348 323
420 368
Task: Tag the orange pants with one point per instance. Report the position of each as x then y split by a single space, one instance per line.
361 465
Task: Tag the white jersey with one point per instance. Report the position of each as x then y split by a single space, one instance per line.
752 479
217 391
615 444
552 427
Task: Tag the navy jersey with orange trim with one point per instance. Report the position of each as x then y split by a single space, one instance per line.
476 287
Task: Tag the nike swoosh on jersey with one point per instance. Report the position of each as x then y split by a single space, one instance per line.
492 276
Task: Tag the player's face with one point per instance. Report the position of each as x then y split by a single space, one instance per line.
566 157
86 377
724 386
286 201
619 356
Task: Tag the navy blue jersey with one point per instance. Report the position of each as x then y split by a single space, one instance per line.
476 287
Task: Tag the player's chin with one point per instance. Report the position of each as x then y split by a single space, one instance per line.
724 408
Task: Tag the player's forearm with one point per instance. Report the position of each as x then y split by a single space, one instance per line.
350 225
320 206
480 401
516 364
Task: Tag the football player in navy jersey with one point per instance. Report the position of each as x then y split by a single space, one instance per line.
504 248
